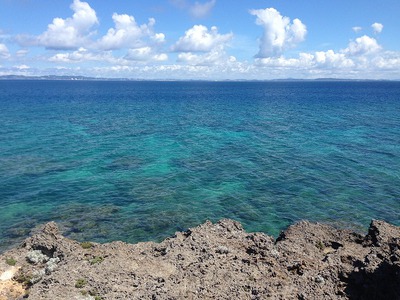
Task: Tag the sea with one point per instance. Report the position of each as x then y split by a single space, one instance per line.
139 160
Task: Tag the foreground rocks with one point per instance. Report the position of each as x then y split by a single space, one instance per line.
211 261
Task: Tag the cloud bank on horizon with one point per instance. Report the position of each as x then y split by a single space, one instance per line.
79 45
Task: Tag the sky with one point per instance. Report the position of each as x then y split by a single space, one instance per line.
204 39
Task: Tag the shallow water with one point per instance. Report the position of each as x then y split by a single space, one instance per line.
138 161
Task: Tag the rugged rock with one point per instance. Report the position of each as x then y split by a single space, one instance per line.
211 261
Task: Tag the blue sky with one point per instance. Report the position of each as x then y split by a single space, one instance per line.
210 39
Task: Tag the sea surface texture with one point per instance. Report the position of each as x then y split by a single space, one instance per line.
137 161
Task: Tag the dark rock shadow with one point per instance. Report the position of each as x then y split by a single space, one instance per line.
383 283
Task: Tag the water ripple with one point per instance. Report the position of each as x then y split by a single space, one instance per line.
138 161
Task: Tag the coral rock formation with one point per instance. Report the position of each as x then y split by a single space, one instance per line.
211 261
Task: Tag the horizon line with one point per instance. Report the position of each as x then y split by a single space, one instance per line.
89 78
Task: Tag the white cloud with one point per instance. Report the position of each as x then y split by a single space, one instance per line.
145 54
128 34
215 57
362 58
200 10
200 39
82 55
279 34
387 61
362 46
160 57
229 69
307 61
22 52
377 27
282 62
77 32
22 67
141 54
4 53
75 56
202 47
72 32
331 59
159 37
201 51
188 57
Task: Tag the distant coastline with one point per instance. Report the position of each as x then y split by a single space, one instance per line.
85 78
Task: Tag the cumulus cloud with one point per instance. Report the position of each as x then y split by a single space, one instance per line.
70 33
304 61
318 60
78 32
279 33
145 54
128 34
363 45
200 10
215 57
4 53
188 57
201 46
377 27
361 55
388 60
331 59
201 51
75 56
82 55
200 39
158 37
382 65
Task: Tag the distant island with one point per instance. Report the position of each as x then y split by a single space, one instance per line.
56 77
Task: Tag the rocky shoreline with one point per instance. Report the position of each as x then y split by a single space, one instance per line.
210 261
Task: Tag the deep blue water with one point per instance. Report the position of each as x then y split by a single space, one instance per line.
137 161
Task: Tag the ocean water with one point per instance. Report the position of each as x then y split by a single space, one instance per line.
137 161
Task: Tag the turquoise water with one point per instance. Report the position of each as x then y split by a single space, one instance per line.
137 161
